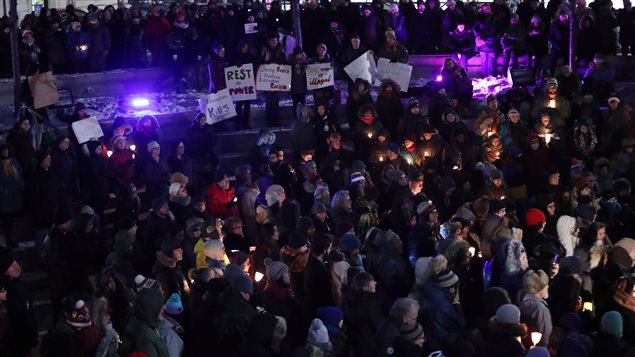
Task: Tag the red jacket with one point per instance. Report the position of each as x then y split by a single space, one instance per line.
217 202
121 165
156 30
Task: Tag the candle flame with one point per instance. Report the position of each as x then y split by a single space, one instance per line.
552 104
133 147
109 153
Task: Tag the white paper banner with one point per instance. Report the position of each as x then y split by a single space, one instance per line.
319 75
217 106
251 27
87 129
362 67
398 72
241 82
273 78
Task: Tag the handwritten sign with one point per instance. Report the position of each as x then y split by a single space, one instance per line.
241 82
217 106
87 129
362 67
398 72
319 75
273 78
251 27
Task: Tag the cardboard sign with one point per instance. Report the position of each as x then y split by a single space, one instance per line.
251 27
319 75
241 82
217 106
87 129
398 72
43 89
362 67
273 78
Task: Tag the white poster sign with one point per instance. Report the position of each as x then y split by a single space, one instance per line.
251 27
217 106
319 75
273 78
241 82
362 67
398 72
87 129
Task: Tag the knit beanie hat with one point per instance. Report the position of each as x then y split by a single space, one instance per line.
275 269
79 316
507 321
244 285
466 214
393 147
587 212
214 249
508 314
538 352
157 203
427 268
304 224
174 306
318 207
413 102
349 242
231 274
318 334
169 245
495 206
612 323
411 334
358 165
357 178
448 282
297 240
534 217
141 282
534 282
152 145
331 316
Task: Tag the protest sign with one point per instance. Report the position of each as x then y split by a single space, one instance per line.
251 27
87 129
398 72
241 82
217 106
319 75
273 78
362 67
43 89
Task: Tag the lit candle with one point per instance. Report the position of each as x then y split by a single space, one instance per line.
370 135
133 147
472 251
552 104
83 47
409 160
458 55
536 337
259 276
456 167
381 158
548 138
109 153
426 153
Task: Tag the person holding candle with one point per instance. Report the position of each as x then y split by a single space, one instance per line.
489 121
429 147
505 333
365 130
77 45
411 121
408 149
389 107
558 107
533 306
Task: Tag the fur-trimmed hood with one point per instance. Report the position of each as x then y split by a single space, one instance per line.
385 83
165 260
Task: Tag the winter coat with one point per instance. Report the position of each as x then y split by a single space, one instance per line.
387 337
535 313
422 242
487 40
154 174
22 330
11 187
142 332
323 127
559 37
219 202
362 317
199 141
302 137
168 331
156 31
463 43
371 27
565 227
399 26
43 191
398 53
559 116
74 41
64 168
100 40
442 320
317 286
121 256
121 166
171 278
216 70
389 109
23 148
298 76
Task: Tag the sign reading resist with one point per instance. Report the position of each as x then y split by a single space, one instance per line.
273 78
319 75
217 106
241 82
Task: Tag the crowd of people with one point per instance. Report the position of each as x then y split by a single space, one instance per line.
409 232
182 36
